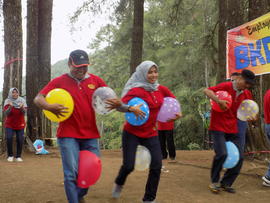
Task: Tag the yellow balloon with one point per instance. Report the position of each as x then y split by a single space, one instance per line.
59 96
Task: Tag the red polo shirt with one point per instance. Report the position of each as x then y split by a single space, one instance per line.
266 107
227 121
15 119
82 123
166 125
154 100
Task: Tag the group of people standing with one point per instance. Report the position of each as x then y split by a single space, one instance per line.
80 132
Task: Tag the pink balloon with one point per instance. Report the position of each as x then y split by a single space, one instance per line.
169 108
89 169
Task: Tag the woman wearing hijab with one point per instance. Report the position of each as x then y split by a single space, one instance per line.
14 109
143 84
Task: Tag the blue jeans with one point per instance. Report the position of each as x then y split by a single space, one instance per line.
19 139
70 149
267 130
242 129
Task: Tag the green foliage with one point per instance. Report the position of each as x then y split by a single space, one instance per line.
59 68
193 146
110 127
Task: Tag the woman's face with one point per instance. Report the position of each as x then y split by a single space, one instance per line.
15 94
152 75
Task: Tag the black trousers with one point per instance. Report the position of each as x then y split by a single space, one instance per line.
129 147
166 141
219 139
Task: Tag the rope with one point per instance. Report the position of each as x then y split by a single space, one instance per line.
12 61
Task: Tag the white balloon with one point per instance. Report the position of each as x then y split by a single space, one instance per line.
100 95
143 158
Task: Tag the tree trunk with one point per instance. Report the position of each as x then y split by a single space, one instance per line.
230 16
137 35
44 55
13 50
256 139
38 66
32 70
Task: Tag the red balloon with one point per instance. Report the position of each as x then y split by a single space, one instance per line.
222 95
89 169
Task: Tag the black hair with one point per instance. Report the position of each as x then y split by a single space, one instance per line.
235 74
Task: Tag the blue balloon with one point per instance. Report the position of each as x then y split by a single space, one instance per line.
232 155
131 118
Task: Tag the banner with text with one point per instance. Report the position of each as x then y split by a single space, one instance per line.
248 47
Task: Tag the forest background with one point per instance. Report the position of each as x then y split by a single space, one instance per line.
185 38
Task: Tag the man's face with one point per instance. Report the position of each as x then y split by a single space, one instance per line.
241 83
78 72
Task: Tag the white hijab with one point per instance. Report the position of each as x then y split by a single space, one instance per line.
16 102
139 78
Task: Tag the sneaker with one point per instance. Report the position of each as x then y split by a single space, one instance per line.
266 179
214 187
172 160
19 159
82 200
164 170
116 191
10 159
266 184
227 188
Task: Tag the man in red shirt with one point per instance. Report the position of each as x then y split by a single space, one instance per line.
266 106
242 125
223 127
79 131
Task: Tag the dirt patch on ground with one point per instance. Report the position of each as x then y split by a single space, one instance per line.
40 179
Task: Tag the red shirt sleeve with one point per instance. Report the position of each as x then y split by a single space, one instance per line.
6 107
266 107
134 92
50 86
248 94
166 92
101 82
224 86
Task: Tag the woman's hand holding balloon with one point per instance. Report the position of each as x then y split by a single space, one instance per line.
137 111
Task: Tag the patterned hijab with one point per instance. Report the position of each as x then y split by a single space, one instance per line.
16 102
139 78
